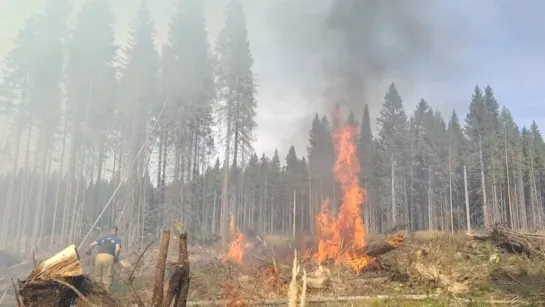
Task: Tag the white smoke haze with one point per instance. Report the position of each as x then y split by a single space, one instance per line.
311 54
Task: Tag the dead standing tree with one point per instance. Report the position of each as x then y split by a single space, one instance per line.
178 286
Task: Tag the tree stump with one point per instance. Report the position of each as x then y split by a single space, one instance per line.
157 299
52 282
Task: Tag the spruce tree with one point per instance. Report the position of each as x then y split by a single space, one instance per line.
392 137
475 130
90 85
366 178
455 164
236 87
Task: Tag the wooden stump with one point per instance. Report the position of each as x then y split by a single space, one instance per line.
157 299
178 287
53 282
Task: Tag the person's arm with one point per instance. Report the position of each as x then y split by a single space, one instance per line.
117 248
91 245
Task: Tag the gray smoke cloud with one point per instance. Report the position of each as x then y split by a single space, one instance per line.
348 51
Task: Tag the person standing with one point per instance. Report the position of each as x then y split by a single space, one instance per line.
107 256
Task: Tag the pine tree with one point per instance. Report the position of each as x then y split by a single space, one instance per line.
45 96
392 139
187 77
90 85
365 157
512 145
237 89
421 154
139 89
456 161
351 120
475 130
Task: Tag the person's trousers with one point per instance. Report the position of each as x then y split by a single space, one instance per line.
104 269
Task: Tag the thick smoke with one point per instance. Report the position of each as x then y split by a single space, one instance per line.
348 51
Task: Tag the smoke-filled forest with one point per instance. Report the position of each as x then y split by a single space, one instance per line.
144 137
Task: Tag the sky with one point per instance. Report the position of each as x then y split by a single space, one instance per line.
496 42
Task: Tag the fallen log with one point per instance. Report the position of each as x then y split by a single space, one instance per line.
377 248
320 299
371 298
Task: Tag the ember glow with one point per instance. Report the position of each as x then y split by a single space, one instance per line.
236 248
342 238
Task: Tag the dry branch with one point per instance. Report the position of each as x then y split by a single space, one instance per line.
157 299
130 280
529 244
16 292
320 299
429 272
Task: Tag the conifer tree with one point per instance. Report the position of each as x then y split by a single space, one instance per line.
236 90
365 157
138 90
392 139
90 85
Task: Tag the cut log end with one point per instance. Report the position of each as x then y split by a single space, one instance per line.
64 264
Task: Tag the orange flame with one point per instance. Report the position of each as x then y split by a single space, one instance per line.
236 248
341 239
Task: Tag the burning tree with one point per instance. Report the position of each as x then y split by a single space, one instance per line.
343 238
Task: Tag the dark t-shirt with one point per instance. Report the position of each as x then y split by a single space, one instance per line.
107 244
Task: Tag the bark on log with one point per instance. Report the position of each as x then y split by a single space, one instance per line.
178 286
157 298
377 248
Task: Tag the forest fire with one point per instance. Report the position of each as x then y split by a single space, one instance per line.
235 253
340 239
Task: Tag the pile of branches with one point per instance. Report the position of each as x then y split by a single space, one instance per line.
529 244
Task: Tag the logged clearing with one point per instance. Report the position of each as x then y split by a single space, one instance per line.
425 269
339 264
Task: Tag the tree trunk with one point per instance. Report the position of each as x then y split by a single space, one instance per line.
394 211
468 216
483 185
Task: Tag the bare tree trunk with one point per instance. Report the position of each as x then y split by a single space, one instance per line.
522 202
494 191
450 190
507 176
43 149
224 218
8 214
430 207
21 218
468 217
59 180
394 211
483 185
44 201
538 205
294 210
